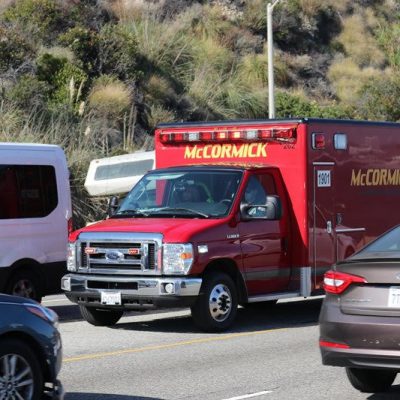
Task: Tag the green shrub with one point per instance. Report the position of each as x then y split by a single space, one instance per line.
15 49
379 99
292 106
38 17
118 51
29 93
84 44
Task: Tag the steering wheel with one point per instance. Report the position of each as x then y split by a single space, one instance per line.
226 201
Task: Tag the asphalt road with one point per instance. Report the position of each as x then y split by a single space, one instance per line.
267 355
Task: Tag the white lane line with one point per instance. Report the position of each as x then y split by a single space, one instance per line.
250 396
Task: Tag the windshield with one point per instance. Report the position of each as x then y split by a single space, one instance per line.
185 194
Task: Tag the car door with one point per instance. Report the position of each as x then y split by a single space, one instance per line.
263 245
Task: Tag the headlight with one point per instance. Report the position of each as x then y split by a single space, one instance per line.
177 258
71 257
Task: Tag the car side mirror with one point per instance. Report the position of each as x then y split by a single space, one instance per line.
271 210
113 204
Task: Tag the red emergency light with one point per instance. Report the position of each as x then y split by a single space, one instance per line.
273 134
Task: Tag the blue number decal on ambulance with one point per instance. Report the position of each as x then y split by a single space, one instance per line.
324 178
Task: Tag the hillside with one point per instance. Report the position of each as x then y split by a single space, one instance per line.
98 76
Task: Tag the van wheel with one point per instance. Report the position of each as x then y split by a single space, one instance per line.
24 283
370 380
216 306
21 376
100 317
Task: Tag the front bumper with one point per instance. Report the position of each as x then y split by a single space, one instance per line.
373 342
136 292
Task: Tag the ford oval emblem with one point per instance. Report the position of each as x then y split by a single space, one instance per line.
113 255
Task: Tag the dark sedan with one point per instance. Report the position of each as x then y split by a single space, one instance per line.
30 350
360 315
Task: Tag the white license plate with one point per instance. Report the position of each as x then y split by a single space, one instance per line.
394 297
111 299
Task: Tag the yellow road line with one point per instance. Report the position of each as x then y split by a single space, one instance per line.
168 345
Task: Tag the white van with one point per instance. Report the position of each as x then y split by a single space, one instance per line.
35 218
118 174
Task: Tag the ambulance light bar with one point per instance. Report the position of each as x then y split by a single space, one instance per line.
277 134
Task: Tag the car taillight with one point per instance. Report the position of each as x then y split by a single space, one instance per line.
337 282
324 343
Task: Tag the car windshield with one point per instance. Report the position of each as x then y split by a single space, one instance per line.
182 193
388 243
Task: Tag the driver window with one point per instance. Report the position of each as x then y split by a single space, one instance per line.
254 192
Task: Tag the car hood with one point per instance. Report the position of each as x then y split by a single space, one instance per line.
173 229
5 298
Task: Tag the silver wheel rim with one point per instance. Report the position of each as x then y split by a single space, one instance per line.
220 302
24 288
16 378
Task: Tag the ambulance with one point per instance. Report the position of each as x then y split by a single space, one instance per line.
235 213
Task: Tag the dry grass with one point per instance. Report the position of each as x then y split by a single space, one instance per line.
128 10
359 43
58 52
311 7
159 114
347 78
112 99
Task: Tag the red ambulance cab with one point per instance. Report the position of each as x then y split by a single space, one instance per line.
237 212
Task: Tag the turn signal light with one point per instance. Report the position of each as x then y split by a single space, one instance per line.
337 282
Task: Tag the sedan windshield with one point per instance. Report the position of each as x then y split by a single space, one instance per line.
184 194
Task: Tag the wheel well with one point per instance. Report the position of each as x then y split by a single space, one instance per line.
35 347
26 264
230 268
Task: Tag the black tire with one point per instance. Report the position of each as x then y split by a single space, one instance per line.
14 350
99 316
24 283
371 380
216 306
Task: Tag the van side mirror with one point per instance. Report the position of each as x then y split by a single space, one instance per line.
113 204
271 210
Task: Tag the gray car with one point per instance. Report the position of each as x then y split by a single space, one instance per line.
30 350
360 315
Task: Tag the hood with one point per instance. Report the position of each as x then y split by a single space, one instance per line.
173 229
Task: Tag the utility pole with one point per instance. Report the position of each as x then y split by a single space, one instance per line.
270 43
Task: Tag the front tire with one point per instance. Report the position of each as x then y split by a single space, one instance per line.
20 372
100 317
370 380
216 306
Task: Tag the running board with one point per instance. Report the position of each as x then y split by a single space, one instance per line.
273 296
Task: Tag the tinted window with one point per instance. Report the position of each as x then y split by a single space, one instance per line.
27 191
389 242
123 170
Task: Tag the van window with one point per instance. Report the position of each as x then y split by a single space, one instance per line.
123 170
27 191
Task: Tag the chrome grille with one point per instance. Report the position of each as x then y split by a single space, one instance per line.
119 256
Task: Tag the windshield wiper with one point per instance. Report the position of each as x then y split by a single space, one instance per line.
180 209
130 213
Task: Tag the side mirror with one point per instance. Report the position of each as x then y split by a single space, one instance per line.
113 204
271 210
